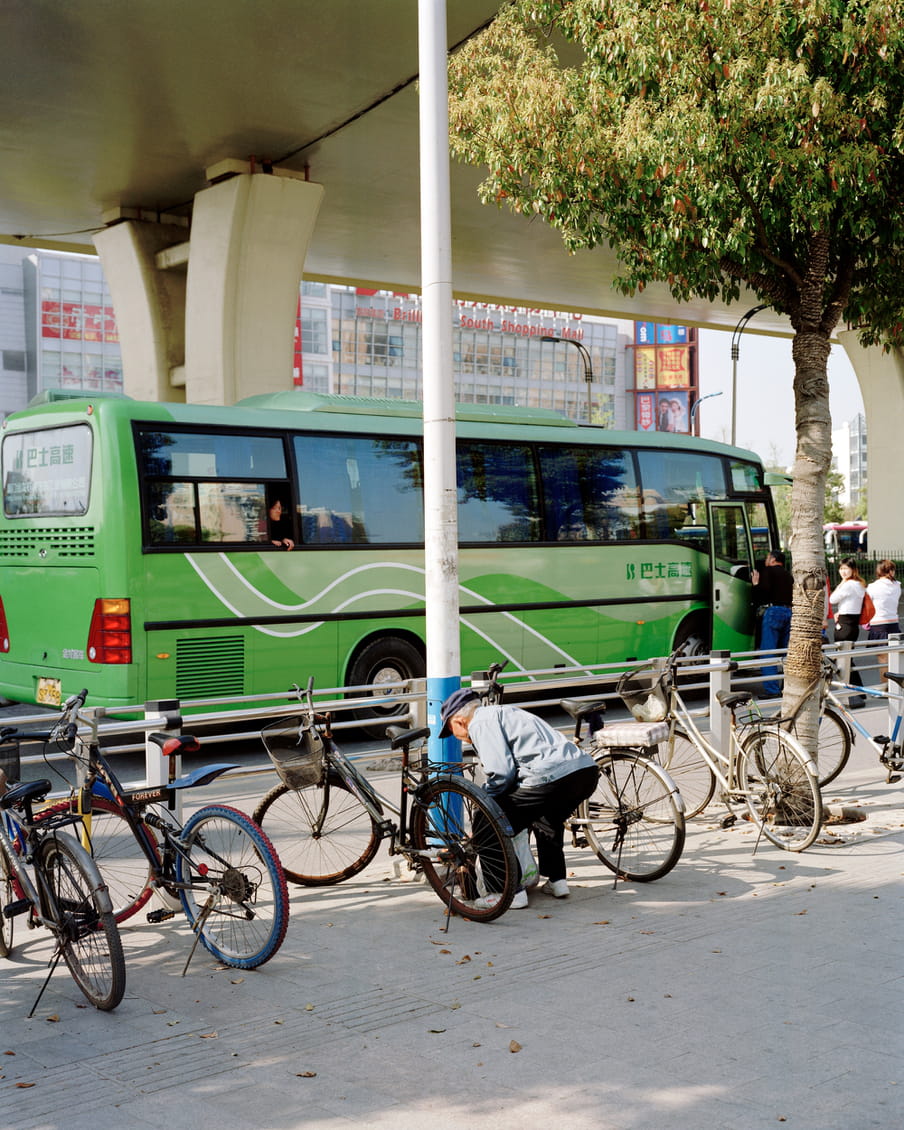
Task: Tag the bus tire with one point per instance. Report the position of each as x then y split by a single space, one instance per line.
693 637
385 659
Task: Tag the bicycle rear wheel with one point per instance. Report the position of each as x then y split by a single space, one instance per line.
634 819
779 786
465 848
7 895
834 748
87 934
238 902
323 833
127 871
690 771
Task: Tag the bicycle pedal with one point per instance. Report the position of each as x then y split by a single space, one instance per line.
892 778
12 909
160 915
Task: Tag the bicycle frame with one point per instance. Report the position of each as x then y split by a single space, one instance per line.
715 758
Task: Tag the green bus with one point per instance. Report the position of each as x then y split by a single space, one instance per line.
138 557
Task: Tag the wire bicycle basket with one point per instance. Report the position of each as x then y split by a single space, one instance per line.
645 692
296 750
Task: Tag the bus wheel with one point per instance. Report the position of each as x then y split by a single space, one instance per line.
692 638
385 661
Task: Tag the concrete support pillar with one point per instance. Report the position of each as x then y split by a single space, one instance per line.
149 302
881 379
249 237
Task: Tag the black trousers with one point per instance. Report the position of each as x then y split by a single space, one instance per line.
545 809
848 628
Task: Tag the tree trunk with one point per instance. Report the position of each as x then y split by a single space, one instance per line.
810 351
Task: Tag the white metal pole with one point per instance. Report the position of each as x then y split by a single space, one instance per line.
440 498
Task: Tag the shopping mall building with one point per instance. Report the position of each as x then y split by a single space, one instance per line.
58 330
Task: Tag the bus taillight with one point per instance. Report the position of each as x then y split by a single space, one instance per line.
110 634
4 631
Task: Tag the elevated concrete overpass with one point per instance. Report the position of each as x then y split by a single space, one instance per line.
211 151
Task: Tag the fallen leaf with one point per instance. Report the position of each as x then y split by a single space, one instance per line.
208 1035
436 1031
54 1019
514 1046
23 1086
237 981
9 1053
455 1006
159 1012
463 960
630 998
544 916
305 1074
309 1008
445 951
603 922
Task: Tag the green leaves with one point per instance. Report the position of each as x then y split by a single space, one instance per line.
707 141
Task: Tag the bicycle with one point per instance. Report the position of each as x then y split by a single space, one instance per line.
634 820
837 724
67 896
765 768
328 820
219 863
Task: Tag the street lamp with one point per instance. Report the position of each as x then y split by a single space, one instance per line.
698 402
735 354
585 357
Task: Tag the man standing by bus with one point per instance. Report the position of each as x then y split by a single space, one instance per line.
773 589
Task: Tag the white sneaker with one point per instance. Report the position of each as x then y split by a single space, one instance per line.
558 888
487 902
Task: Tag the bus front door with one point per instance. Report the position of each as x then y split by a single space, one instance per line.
731 581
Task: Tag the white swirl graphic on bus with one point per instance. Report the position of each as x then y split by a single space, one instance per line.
242 598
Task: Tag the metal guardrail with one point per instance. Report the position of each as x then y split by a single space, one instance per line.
530 689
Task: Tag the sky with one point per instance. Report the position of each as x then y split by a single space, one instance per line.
765 415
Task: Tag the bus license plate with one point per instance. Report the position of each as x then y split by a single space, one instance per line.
49 692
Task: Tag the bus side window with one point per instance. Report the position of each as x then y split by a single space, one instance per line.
233 512
171 513
497 493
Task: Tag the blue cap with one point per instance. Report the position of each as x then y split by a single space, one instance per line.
452 705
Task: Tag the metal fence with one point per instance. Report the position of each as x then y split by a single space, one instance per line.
222 721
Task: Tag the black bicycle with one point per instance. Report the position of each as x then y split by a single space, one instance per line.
48 880
219 864
327 820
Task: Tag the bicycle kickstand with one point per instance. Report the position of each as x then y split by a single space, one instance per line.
54 962
196 929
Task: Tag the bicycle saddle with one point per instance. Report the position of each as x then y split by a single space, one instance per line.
24 792
731 699
899 679
580 708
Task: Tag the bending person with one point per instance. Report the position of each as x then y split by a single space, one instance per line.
534 773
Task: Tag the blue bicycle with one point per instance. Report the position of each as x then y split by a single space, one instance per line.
837 725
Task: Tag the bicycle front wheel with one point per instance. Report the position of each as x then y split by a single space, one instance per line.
323 833
690 771
237 901
634 819
778 784
87 934
109 839
7 895
465 848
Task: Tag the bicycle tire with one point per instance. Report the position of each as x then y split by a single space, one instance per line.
834 746
86 930
8 894
779 786
466 847
634 819
322 833
239 903
127 872
690 771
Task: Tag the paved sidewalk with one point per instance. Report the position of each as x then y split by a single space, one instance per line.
741 991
